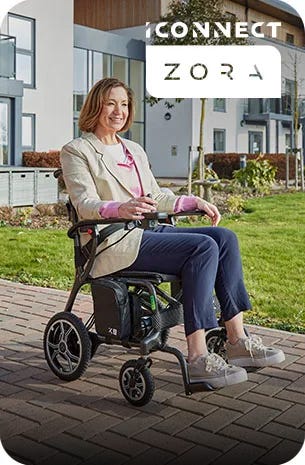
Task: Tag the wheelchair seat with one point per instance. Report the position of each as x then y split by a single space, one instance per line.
154 277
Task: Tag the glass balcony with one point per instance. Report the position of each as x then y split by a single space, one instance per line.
278 106
7 56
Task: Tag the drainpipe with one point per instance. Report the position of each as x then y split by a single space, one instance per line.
302 120
247 10
268 136
277 136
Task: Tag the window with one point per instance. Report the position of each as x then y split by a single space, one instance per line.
91 66
288 141
120 68
136 71
289 38
219 104
255 142
80 80
97 69
5 131
28 132
287 97
7 54
219 140
255 106
24 30
275 105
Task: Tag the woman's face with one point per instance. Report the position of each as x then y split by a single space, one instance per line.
114 113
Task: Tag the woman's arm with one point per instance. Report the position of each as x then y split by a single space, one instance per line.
84 196
79 183
172 203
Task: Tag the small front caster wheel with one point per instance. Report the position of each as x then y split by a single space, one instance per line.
136 382
67 346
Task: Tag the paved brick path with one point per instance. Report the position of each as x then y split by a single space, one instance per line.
47 421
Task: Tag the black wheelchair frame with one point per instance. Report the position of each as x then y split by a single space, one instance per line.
69 344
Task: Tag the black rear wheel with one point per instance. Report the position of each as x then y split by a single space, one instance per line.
67 346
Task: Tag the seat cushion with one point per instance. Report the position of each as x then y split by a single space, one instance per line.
149 275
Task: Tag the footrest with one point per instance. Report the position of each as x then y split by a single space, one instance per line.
198 387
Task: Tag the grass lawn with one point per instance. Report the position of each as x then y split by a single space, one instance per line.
271 234
272 237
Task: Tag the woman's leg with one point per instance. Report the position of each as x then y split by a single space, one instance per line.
229 285
196 345
233 298
195 259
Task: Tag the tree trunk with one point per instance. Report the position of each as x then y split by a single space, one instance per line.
201 160
295 124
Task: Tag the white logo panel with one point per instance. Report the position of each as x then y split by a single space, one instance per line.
230 71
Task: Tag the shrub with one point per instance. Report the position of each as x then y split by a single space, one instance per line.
225 163
236 204
42 159
259 175
15 216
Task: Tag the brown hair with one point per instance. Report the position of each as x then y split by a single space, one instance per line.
93 104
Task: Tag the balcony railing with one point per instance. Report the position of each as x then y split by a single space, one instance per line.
280 106
7 56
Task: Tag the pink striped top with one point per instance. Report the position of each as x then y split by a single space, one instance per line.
110 209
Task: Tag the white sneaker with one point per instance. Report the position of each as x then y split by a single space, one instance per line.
251 352
213 369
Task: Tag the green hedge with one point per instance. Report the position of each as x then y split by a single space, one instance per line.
41 159
225 163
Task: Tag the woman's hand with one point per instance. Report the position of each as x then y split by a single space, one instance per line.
134 208
210 210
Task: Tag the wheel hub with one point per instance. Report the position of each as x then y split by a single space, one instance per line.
62 347
132 381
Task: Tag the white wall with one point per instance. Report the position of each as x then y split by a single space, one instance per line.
228 120
161 135
52 100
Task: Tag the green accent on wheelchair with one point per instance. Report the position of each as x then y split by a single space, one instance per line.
152 302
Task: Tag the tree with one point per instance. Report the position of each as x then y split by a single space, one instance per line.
293 67
188 12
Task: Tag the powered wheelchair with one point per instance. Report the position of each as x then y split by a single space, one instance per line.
129 309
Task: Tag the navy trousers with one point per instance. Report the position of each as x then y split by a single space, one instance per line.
206 258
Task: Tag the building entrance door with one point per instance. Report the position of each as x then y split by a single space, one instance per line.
5 131
255 142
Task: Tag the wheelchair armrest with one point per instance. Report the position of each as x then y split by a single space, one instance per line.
83 224
57 173
189 213
164 215
150 220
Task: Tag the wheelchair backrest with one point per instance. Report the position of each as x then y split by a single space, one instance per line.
72 215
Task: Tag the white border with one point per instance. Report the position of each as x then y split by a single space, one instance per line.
5 6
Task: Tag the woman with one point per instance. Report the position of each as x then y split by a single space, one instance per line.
108 176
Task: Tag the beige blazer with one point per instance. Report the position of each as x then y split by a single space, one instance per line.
92 177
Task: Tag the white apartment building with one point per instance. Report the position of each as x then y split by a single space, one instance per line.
36 92
53 51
